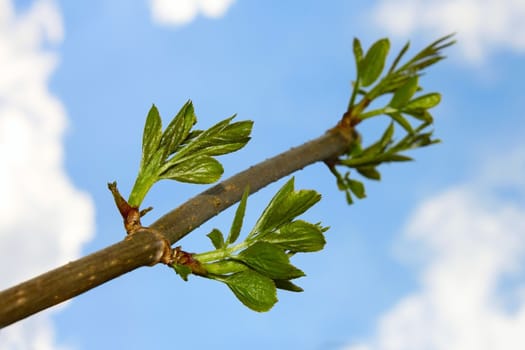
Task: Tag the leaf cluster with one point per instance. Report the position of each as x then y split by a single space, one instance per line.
365 161
371 65
259 265
182 154
406 107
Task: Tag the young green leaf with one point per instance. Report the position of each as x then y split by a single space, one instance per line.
239 216
386 138
348 196
191 136
341 183
395 158
358 51
254 290
198 170
426 57
201 141
151 136
217 238
287 285
419 113
369 172
398 118
182 270
178 129
230 139
357 188
378 147
422 140
372 65
220 139
424 102
297 236
286 205
269 260
356 148
398 57
404 93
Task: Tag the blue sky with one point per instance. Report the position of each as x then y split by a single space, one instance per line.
432 259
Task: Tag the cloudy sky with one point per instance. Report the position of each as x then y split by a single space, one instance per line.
432 259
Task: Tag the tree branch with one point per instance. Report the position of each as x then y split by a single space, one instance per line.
146 249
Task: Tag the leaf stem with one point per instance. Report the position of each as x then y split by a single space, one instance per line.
354 94
140 188
219 254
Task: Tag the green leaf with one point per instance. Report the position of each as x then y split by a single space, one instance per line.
232 138
376 148
254 290
182 270
178 129
421 114
424 102
427 62
287 285
404 93
220 139
201 141
426 57
386 138
239 216
357 188
398 118
198 170
355 148
342 182
286 205
358 51
369 172
151 136
348 197
373 63
422 140
269 260
399 56
298 236
395 158
217 238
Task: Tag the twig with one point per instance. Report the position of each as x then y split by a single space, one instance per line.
146 249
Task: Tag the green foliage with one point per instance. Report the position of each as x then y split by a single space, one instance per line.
259 265
410 112
284 206
253 289
371 66
184 155
270 260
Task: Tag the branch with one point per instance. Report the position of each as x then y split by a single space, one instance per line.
146 249
149 246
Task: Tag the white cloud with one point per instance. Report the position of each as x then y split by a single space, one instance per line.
471 247
37 334
44 220
483 26
181 12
